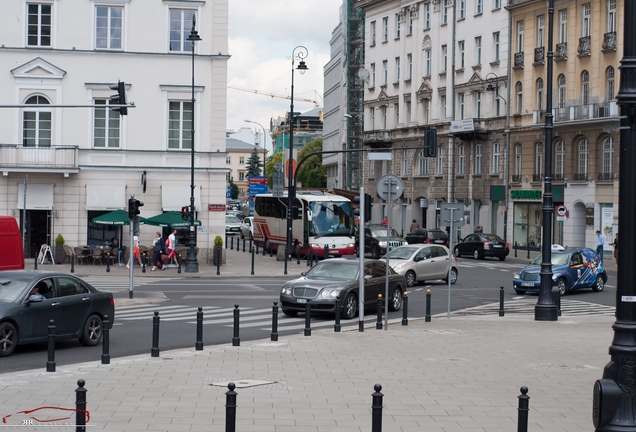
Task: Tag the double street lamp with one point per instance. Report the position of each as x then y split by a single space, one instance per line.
300 53
264 141
192 266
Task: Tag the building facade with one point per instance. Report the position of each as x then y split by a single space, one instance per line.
63 166
236 161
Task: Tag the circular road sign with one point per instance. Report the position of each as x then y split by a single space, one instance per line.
561 210
390 187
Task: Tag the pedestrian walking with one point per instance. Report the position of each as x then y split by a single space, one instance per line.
478 229
158 248
600 241
385 221
172 246
615 244
414 226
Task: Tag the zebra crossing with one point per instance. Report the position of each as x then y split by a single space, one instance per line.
526 306
119 283
491 265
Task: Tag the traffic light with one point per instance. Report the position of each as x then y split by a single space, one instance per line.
185 213
119 98
297 212
430 142
367 207
133 207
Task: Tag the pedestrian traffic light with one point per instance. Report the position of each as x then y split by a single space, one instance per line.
297 212
367 207
133 207
119 98
185 213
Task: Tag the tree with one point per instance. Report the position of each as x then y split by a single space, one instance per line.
270 167
234 190
312 174
254 164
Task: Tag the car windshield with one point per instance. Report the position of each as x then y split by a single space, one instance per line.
437 234
492 237
330 270
10 290
402 253
381 232
334 218
232 219
556 259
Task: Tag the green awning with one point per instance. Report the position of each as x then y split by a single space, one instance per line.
170 219
117 217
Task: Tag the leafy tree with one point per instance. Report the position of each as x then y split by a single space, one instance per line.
254 164
270 167
234 190
312 174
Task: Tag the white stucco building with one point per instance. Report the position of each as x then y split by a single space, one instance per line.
82 162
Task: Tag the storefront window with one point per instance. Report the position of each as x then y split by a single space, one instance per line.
527 225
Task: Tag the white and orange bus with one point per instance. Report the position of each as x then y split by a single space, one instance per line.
326 220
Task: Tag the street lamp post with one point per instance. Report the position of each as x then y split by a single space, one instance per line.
264 141
291 187
192 266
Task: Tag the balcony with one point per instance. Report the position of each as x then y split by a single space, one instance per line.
539 56
585 112
62 157
609 42
580 176
516 178
558 177
561 52
537 178
518 64
606 176
585 48
378 139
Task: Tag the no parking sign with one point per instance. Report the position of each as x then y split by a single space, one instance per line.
561 213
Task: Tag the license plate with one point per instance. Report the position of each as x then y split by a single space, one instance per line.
497 246
301 300
527 284
439 241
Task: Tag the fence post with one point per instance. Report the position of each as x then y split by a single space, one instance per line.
230 408
524 407
336 327
274 336
50 364
501 302
236 340
376 409
106 340
427 317
198 346
154 351
73 263
108 262
80 406
308 318
243 244
378 324
405 311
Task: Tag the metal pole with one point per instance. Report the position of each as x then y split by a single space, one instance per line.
154 351
524 407
501 302
405 312
236 340
24 229
50 363
376 409
230 408
274 335
389 205
106 340
450 263
198 346
361 262
308 318
80 406
427 317
130 271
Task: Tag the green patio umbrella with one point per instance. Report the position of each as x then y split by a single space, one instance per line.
117 217
170 219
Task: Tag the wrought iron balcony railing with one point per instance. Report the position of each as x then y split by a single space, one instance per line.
539 54
537 177
519 60
516 178
580 176
561 52
558 177
609 41
606 176
585 46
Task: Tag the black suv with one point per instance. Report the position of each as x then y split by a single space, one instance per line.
375 240
424 235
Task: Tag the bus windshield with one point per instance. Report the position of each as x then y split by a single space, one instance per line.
330 218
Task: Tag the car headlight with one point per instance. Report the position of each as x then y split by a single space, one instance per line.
330 293
351 245
382 244
286 290
316 246
516 276
555 277
397 265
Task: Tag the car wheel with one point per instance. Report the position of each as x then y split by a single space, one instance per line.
562 284
522 292
502 258
350 306
356 250
8 339
598 284
241 235
456 252
375 252
92 333
410 278
290 312
453 276
395 299
476 254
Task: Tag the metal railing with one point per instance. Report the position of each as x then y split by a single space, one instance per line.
62 156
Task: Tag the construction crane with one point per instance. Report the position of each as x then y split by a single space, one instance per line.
273 95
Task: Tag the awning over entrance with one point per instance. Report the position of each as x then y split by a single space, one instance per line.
171 219
117 217
38 197
175 197
105 197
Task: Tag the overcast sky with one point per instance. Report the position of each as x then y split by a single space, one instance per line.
262 35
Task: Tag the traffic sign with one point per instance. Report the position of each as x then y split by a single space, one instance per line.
390 187
562 211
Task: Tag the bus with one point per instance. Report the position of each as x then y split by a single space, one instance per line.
326 220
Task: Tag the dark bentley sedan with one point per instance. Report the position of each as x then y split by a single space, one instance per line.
339 277
30 299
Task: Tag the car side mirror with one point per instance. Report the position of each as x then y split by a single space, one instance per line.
303 273
35 298
366 276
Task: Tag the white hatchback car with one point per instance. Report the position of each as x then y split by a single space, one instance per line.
419 263
247 228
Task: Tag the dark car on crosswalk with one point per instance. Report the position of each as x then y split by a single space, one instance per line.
29 300
425 236
480 246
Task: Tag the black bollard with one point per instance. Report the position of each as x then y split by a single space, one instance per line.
252 252
405 310
73 263
556 298
154 351
50 364
376 409
298 256
325 252
236 340
179 262
80 406
199 343
270 250
501 302
105 340
108 262
219 258
378 324
336 327
264 251
427 317
230 408
524 407
308 318
274 337
310 258
226 242
256 246
144 262
251 244
35 264
243 244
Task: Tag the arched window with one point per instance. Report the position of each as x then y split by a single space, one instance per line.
423 166
561 82
538 159
559 159
36 123
609 76
583 159
519 97
608 158
539 87
585 87
518 159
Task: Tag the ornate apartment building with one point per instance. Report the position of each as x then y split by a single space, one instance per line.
70 165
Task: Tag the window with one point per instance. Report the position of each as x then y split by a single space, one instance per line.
444 58
371 169
410 26
108 27
517 159
427 110
497 105
608 156
495 37
383 117
461 160
408 112
372 115
106 126
478 159
180 27
563 26
372 74
583 156
496 4
397 114
427 16
462 9
409 60
496 157
440 160
520 32
559 159
385 29
540 30
519 97
445 12
561 83
585 87
397 26
479 7
423 166
585 19
241 160
478 104
609 75
228 159
180 125
241 176
538 158
36 123
397 69
478 50
385 72
611 16
462 53
539 87
428 60
39 24
443 107
405 164
227 177
384 167
372 33
460 97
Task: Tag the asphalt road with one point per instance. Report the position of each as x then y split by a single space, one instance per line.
177 300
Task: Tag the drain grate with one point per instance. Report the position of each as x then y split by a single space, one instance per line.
560 366
262 383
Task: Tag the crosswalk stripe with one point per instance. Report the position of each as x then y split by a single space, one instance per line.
135 309
173 315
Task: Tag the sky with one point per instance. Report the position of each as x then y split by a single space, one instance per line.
262 37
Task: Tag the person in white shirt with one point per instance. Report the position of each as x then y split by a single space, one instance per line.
172 246
600 241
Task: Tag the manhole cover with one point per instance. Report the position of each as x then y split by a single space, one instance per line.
560 366
243 383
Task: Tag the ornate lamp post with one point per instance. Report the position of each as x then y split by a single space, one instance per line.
291 187
264 141
192 265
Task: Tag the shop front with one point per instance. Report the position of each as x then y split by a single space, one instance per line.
527 220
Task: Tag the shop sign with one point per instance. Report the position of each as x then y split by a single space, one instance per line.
497 193
217 207
525 194
589 216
